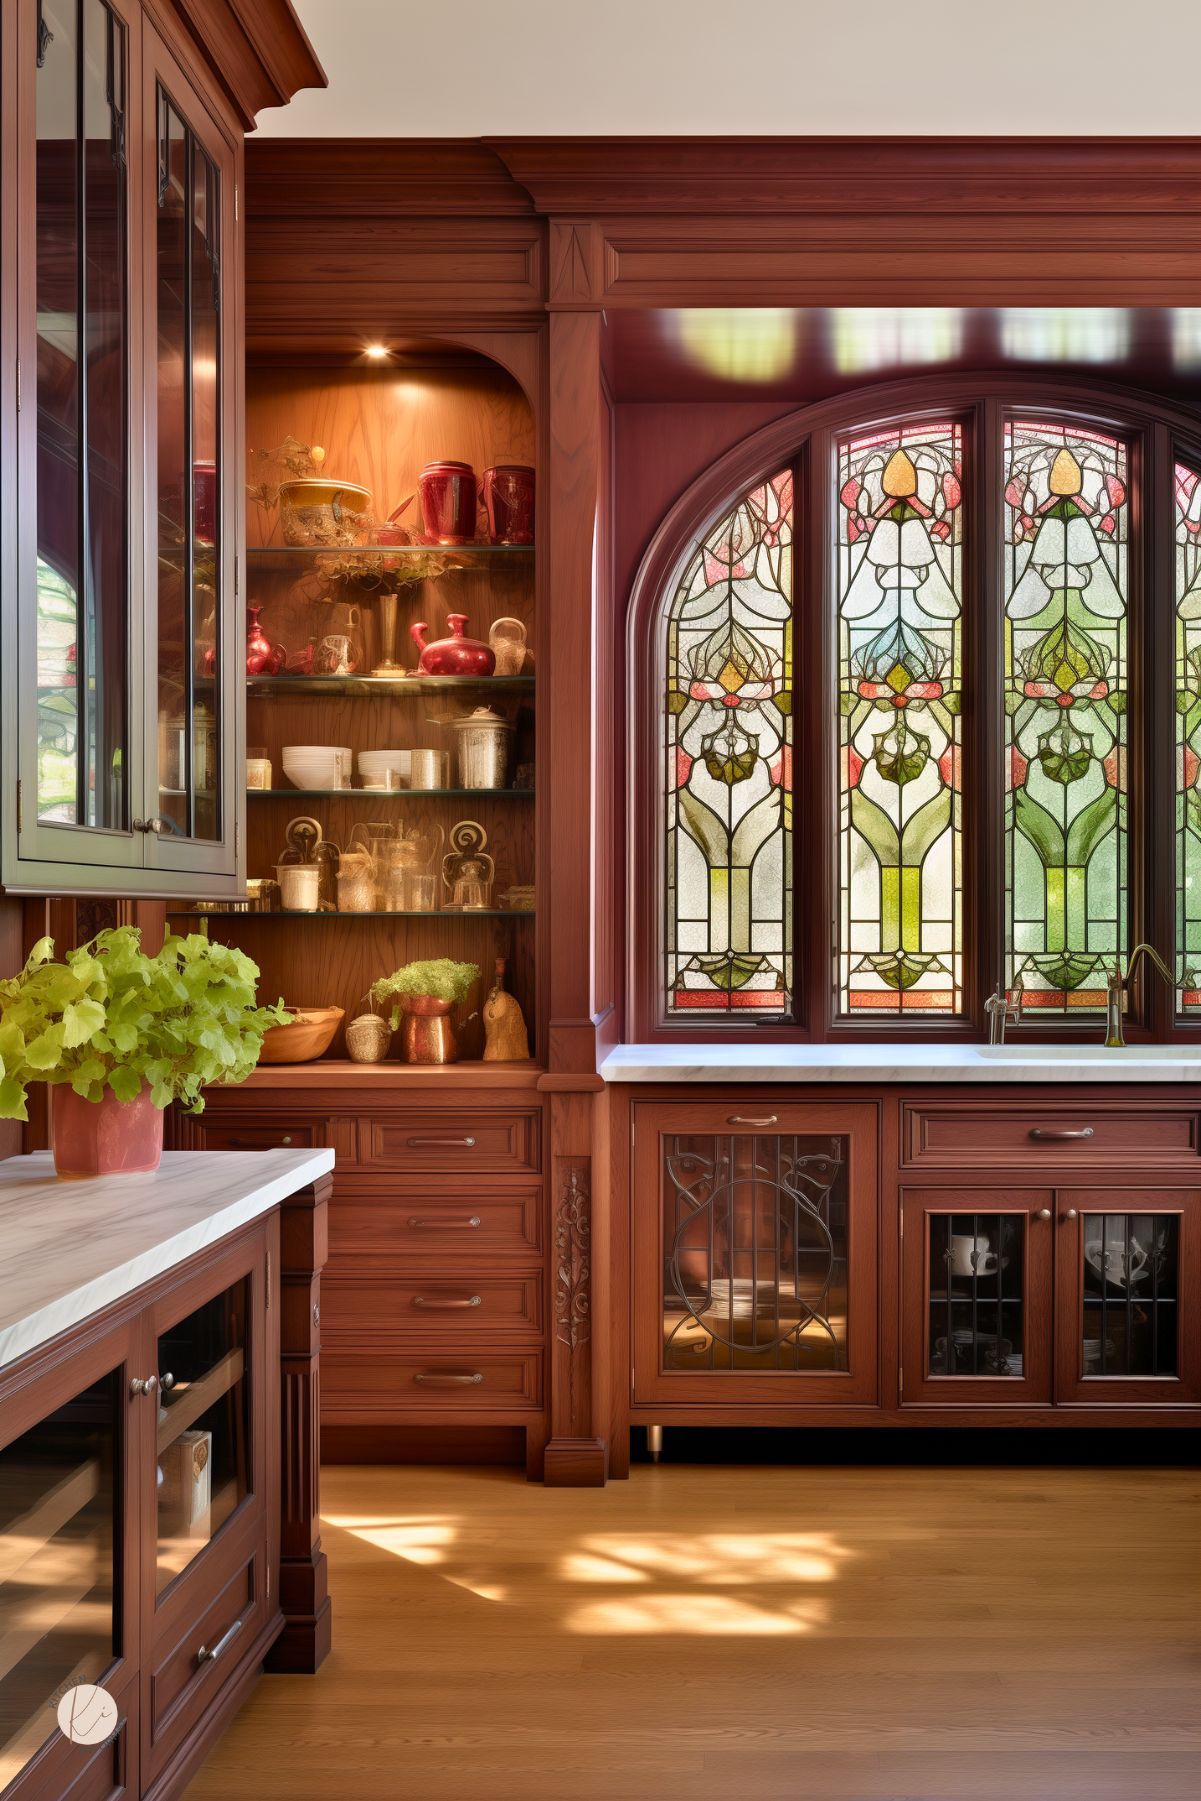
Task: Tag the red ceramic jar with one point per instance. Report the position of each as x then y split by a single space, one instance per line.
455 655
448 502
508 494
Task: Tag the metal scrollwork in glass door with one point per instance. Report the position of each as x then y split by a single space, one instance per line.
755 1253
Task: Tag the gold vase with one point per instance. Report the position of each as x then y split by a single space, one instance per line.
427 1030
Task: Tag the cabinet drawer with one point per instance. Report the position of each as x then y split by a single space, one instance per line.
190 1672
464 1223
1038 1138
428 1143
466 1308
355 1386
233 1135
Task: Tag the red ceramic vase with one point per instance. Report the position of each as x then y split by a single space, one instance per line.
262 657
448 502
106 1137
455 655
508 495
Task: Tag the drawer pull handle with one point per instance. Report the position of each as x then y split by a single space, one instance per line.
449 1378
415 1144
471 1224
446 1303
1059 1134
744 1119
204 1655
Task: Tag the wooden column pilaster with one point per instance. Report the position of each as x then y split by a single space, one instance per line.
303 1581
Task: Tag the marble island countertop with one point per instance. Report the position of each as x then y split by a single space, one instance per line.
887 1063
67 1249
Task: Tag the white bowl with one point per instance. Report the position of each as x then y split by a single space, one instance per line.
317 765
371 761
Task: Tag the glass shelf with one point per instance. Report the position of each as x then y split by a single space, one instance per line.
263 555
270 687
374 794
373 913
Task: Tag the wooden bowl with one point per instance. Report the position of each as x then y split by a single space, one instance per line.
310 1032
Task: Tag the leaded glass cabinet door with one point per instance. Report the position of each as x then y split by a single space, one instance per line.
976 1297
755 1247
1129 1296
192 811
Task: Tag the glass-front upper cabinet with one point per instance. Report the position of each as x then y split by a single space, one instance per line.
118 670
189 537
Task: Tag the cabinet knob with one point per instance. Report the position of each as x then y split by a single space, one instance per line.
1043 1213
286 1139
167 1382
158 825
1071 1213
143 1385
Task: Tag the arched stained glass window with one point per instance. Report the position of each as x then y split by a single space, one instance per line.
974 698
1066 886
727 766
900 534
1188 736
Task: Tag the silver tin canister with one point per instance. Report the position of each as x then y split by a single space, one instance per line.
484 741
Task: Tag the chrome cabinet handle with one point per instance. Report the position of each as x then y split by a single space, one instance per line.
744 1119
448 1378
415 1144
204 1655
450 1225
1071 1214
143 1385
1059 1134
1043 1213
444 1303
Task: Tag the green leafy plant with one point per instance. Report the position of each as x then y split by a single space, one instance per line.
437 978
111 1017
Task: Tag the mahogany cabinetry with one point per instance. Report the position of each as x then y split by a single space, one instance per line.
434 1298
912 1257
140 1479
121 435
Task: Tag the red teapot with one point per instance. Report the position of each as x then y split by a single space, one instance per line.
262 657
456 655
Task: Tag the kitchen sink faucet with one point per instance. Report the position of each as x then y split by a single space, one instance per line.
1117 986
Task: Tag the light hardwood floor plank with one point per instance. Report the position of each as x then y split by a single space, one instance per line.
739 1634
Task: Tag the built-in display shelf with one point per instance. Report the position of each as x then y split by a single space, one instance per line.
430 913
262 555
374 794
274 687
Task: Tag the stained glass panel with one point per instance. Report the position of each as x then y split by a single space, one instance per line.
899 635
1065 700
727 766
1188 738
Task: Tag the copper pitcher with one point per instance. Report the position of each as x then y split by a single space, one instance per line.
427 1030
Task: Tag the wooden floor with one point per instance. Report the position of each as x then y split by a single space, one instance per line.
737 1634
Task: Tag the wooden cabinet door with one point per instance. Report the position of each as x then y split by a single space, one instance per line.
754 1236
204 1476
69 1568
1128 1302
976 1287
194 639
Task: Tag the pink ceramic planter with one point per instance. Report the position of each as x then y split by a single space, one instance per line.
104 1138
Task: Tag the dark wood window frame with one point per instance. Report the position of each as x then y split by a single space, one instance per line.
1158 434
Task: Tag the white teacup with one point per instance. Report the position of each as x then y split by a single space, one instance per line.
1119 1263
971 1256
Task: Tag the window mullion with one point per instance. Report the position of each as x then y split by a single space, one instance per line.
1154 775
987 964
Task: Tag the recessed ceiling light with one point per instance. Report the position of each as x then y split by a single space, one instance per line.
377 352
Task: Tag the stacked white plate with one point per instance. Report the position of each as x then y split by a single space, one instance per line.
318 765
374 767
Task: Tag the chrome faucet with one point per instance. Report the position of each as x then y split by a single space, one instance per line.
1003 1007
1117 986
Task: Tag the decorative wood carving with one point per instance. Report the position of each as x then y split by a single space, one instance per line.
257 49
573 1253
572 260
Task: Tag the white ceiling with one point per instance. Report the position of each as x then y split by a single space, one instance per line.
474 68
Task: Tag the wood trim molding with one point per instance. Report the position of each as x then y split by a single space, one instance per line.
257 49
384 178
851 176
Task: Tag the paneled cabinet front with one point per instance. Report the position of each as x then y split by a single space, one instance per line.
120 645
754 1239
135 1544
1067 1296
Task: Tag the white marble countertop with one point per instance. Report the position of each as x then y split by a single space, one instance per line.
67 1249
887 1063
